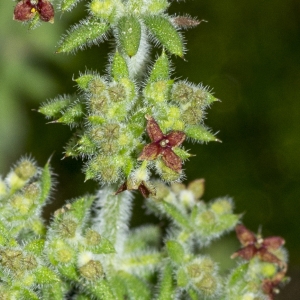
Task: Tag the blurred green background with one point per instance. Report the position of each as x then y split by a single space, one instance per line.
248 51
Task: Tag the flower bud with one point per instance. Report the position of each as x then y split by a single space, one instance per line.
92 237
102 8
222 206
92 270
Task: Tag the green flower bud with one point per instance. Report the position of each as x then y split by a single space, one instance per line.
92 270
67 228
12 259
97 86
92 237
116 93
60 252
182 92
129 34
98 104
157 91
102 8
207 284
25 169
197 188
21 204
222 206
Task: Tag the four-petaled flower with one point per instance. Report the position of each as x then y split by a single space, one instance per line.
162 145
257 246
25 10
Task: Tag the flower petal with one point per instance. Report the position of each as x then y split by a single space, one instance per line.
153 130
171 160
267 256
244 235
150 152
175 138
24 11
246 253
273 242
46 11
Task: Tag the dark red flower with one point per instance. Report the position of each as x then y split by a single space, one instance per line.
257 246
162 145
145 188
25 10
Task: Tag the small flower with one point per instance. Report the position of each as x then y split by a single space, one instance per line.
162 145
145 188
25 10
257 246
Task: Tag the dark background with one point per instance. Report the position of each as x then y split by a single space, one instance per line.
248 51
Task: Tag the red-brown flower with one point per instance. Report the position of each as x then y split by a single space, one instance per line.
162 145
25 10
257 246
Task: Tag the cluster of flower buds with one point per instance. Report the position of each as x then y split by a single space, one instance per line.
27 10
112 116
265 268
198 222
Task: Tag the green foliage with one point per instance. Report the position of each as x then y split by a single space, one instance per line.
89 248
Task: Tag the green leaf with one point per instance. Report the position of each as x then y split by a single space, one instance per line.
200 133
67 5
176 215
72 115
184 155
100 289
175 251
129 34
163 30
136 288
160 69
80 207
54 107
166 289
88 32
46 183
119 67
105 247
